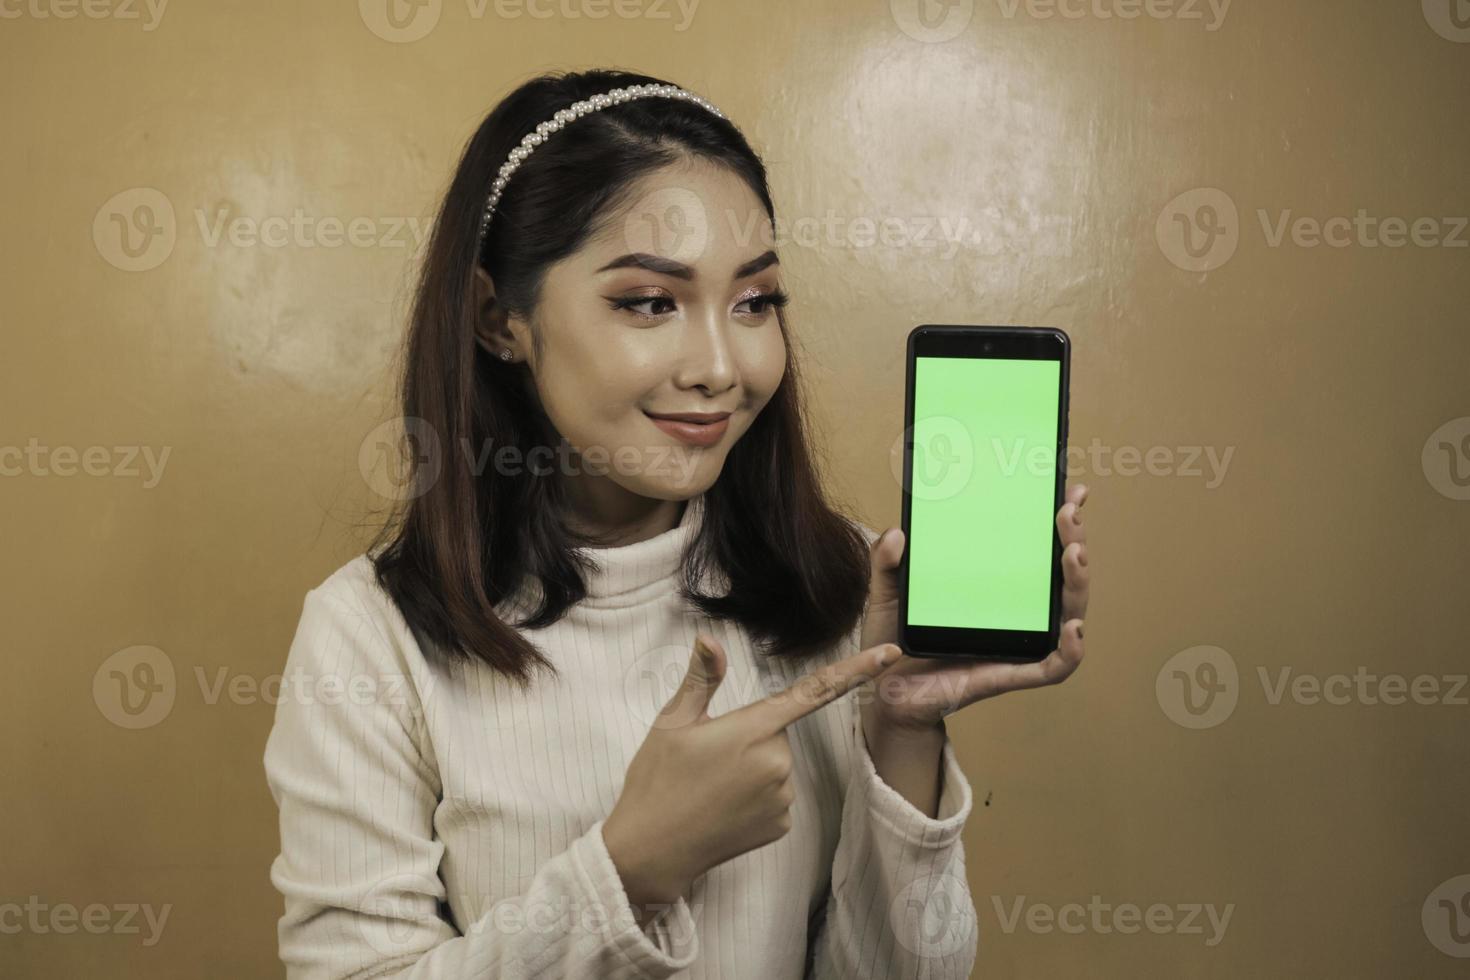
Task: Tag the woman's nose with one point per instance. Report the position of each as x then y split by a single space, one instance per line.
708 358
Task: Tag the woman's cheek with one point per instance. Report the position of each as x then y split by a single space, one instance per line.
770 366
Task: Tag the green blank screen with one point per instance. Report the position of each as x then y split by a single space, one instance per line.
982 515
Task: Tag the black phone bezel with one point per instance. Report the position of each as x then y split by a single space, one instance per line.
959 340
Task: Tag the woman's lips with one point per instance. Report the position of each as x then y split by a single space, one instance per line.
703 434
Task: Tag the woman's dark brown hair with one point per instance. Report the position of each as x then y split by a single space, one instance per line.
797 571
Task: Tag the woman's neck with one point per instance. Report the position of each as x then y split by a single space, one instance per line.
608 515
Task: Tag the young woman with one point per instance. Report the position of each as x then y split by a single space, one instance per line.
583 710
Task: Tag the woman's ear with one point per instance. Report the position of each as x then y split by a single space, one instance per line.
491 330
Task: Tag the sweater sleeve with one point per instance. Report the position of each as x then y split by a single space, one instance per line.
356 783
900 903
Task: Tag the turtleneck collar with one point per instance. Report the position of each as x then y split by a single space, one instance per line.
626 571
625 575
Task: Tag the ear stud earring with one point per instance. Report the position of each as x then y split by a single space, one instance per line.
506 355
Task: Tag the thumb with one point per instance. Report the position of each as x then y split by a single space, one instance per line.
884 557
880 616
690 702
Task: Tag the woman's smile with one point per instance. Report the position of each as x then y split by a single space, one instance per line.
702 429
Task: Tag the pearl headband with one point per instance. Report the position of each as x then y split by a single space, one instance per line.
577 110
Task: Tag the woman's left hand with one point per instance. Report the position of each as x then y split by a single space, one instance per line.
934 688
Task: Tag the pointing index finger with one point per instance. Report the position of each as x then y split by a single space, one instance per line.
820 688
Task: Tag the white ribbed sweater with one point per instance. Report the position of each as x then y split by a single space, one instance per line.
440 823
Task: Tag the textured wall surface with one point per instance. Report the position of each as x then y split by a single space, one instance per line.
1250 217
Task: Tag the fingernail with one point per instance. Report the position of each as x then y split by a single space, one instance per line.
1082 557
889 654
1076 516
1079 631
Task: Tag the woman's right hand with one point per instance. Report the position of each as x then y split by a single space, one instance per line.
702 790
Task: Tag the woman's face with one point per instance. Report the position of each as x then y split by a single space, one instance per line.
666 310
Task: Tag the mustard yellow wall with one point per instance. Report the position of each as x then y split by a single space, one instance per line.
1072 150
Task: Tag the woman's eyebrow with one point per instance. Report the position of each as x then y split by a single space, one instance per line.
669 267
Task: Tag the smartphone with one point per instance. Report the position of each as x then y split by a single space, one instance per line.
984 474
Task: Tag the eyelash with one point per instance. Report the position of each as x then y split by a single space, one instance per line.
776 299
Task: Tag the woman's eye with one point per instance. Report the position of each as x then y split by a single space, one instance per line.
766 302
652 307
635 302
